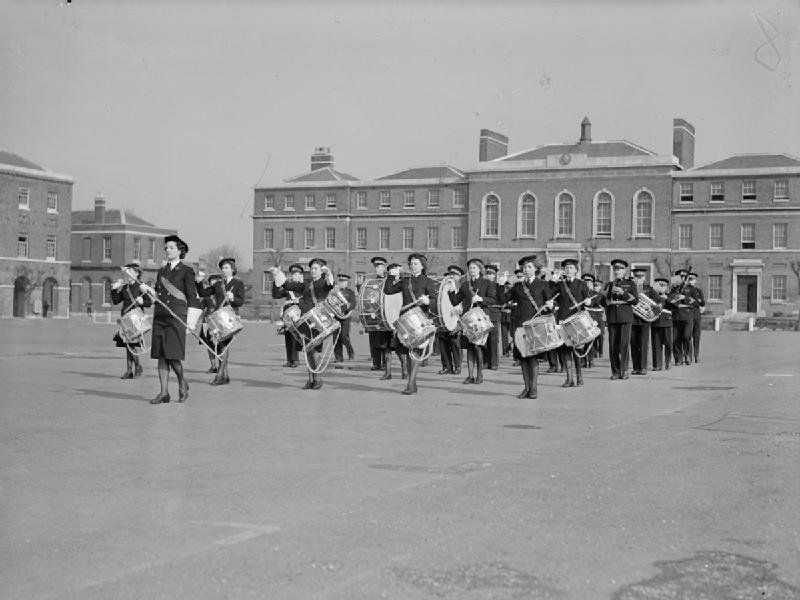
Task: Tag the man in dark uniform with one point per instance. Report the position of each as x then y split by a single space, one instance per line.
291 345
597 312
343 343
620 296
640 331
574 295
377 338
553 279
450 341
599 301
661 328
491 352
505 318
697 312
684 299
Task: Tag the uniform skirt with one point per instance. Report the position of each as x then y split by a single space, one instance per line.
169 338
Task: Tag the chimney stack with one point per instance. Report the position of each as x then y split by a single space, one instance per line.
492 145
683 142
99 208
586 131
321 158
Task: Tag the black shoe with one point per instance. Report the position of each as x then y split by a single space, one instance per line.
579 380
351 357
469 380
221 381
183 393
127 375
656 368
444 371
614 376
286 364
552 370
687 362
160 399
533 395
386 376
624 376
138 371
409 391
568 383
523 394
515 363
374 368
479 379
696 359
308 385
317 384
667 367
457 371
293 364
214 369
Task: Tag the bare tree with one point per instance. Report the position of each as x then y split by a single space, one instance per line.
211 257
795 266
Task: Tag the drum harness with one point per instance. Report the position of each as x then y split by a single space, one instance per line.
535 306
575 304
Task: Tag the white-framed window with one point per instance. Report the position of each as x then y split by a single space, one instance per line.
24 198
106 291
780 190
311 202
22 246
715 236
385 197
433 238
457 237
603 214
433 198
490 216
715 288
643 214
717 191
748 236
383 238
526 216
459 198
288 202
266 283
685 237
330 238
288 239
269 238
137 249
269 203
408 199
151 251
361 200
52 202
308 237
780 236
686 191
408 238
779 288
565 215
86 250
361 238
106 249
50 247
749 190
330 200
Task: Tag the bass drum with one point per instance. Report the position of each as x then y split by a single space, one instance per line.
445 316
376 310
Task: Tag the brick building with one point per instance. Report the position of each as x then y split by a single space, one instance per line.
102 241
34 239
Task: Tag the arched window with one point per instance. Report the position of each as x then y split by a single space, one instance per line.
603 214
490 217
526 211
643 214
565 215
106 291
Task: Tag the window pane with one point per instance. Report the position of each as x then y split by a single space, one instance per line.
269 202
527 216
269 238
779 287
266 283
330 238
458 237
781 189
309 238
288 238
565 214
383 238
386 199
311 202
687 191
780 233
459 198
361 199
715 235
330 201
603 214
644 214
361 238
52 201
408 238
433 198
684 237
715 287
408 199
433 237
491 216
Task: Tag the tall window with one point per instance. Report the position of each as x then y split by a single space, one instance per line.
137 249
107 249
748 236
288 239
330 238
686 191
459 198
433 238
780 235
749 190
779 288
715 236
491 217
361 199
408 199
330 200
51 247
383 238
717 191
309 237
644 214
458 237
106 291
386 199
24 198
311 202
86 253
433 198
22 246
151 251
715 287
527 216
269 238
361 238
408 238
269 203
684 237
781 190
266 283
603 211
288 202
565 214
52 202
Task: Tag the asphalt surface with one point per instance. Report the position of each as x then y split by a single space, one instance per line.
678 484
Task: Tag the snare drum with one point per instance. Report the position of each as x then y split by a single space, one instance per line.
538 335
579 329
376 310
223 324
476 325
338 304
133 325
444 314
314 326
414 329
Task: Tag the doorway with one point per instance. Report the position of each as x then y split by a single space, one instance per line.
746 293
20 285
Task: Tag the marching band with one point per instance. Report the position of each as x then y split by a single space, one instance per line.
557 316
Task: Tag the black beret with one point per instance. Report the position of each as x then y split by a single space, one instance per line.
296 267
378 260
660 280
230 261
343 276
638 270
491 267
587 277
569 261
456 269
320 261
527 259
178 241
619 262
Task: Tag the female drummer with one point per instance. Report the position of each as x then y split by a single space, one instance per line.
175 290
311 294
573 295
208 305
529 294
417 289
227 291
131 296
475 291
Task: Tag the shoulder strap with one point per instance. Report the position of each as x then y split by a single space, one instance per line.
172 290
530 297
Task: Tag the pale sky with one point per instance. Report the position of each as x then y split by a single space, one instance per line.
176 109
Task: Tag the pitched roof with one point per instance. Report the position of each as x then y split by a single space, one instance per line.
752 161
323 174
591 149
14 160
113 217
438 172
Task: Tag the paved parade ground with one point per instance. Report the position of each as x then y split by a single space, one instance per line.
679 484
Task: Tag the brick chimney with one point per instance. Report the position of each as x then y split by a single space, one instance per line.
492 145
586 131
321 158
683 142
99 208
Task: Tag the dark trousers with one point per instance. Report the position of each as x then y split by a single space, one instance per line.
640 340
449 351
343 343
490 350
696 338
598 342
375 352
619 336
505 337
681 340
661 338
291 347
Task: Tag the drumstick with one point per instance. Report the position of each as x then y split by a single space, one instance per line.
410 304
577 304
545 306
